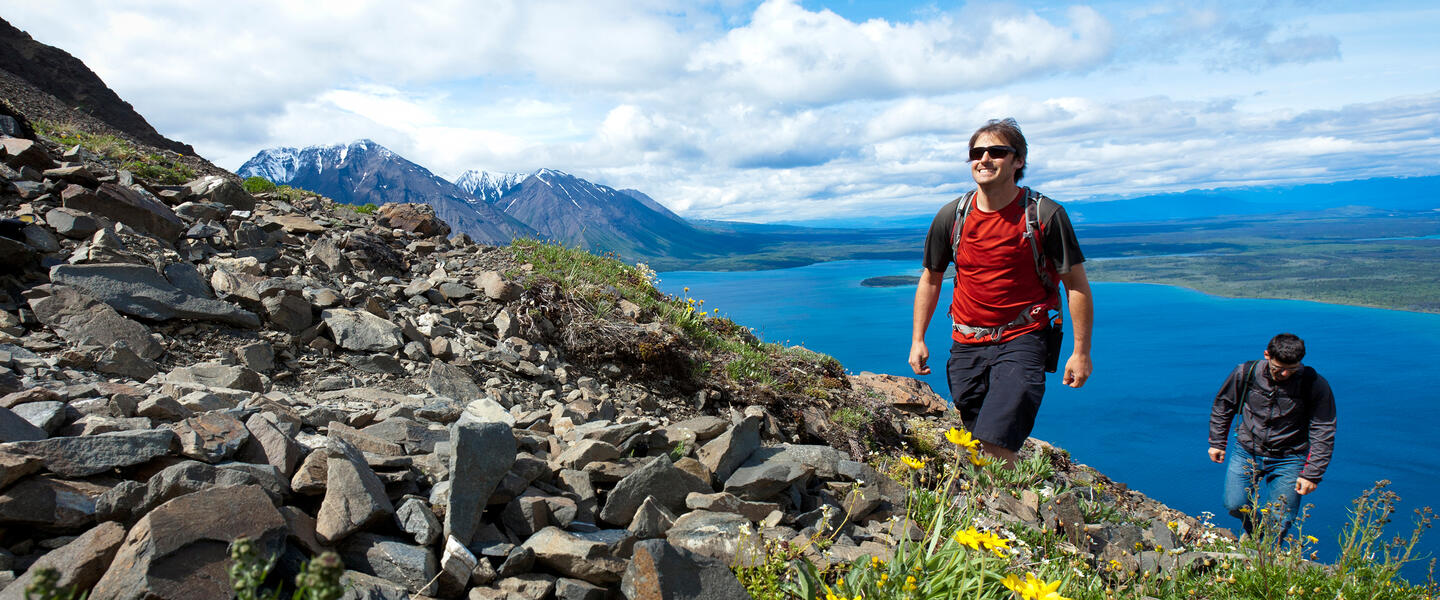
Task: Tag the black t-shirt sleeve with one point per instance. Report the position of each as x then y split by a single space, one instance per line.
1061 245
939 248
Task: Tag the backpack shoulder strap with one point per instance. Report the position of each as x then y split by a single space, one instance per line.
1245 384
1033 232
962 208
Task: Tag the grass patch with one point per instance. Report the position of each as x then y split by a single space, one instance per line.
152 167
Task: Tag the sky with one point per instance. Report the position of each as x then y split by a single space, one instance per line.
789 109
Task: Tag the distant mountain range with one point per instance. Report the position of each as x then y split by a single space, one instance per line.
495 207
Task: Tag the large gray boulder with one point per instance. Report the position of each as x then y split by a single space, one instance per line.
449 381
81 318
15 428
141 291
726 453
180 549
574 556
219 189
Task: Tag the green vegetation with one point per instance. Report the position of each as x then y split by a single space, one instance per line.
155 168
319 577
257 185
45 586
595 285
957 557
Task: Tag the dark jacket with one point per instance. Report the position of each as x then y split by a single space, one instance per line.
1295 416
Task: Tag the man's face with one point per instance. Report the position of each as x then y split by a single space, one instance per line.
989 169
1280 371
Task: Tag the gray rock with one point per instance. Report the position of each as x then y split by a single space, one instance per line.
259 356
202 402
222 190
14 466
71 223
721 536
180 549
364 441
187 278
127 205
124 503
141 291
211 437
574 556
505 324
449 381
361 331
660 571
78 317
289 312
575 589
486 410
40 238
658 478
529 586
94 454
726 502
481 455
15 428
362 586
48 416
416 519
526 514
584 452
765 480
45 501
120 359
393 560
270 445
354 496
726 453
220 375
651 520
163 408
496 288
79 563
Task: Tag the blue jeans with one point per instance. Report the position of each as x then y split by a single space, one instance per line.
1265 480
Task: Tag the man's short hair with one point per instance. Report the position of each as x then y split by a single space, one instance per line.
1286 348
1008 130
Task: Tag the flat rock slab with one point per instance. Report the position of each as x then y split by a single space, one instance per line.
45 501
79 563
211 437
81 318
180 549
141 291
16 428
393 560
660 571
574 556
361 331
92 454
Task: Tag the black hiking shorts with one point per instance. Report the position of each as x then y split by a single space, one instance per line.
997 387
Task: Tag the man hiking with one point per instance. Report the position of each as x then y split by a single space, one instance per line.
1011 248
1285 436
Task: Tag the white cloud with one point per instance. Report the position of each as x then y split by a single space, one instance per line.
789 54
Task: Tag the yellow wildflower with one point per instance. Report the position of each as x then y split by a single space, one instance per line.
1312 539
1012 583
913 463
969 538
977 460
962 439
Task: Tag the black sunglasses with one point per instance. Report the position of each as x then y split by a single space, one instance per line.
978 153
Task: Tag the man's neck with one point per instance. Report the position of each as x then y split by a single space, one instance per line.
996 196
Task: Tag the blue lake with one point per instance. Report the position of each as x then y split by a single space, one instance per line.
1160 355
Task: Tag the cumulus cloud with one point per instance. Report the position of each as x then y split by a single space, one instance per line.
789 54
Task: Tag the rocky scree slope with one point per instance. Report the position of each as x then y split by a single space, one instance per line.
455 420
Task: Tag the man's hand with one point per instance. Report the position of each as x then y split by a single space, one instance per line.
1077 370
1304 486
919 354
1217 455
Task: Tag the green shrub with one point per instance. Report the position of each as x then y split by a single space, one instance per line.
258 185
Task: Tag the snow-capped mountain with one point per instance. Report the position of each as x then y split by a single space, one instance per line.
487 185
364 172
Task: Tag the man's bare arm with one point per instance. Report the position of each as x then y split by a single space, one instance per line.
1082 315
927 294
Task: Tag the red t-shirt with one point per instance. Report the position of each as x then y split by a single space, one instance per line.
995 271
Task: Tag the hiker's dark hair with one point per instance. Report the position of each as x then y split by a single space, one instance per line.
1286 348
1008 130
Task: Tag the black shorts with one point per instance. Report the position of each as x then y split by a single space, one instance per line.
997 387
